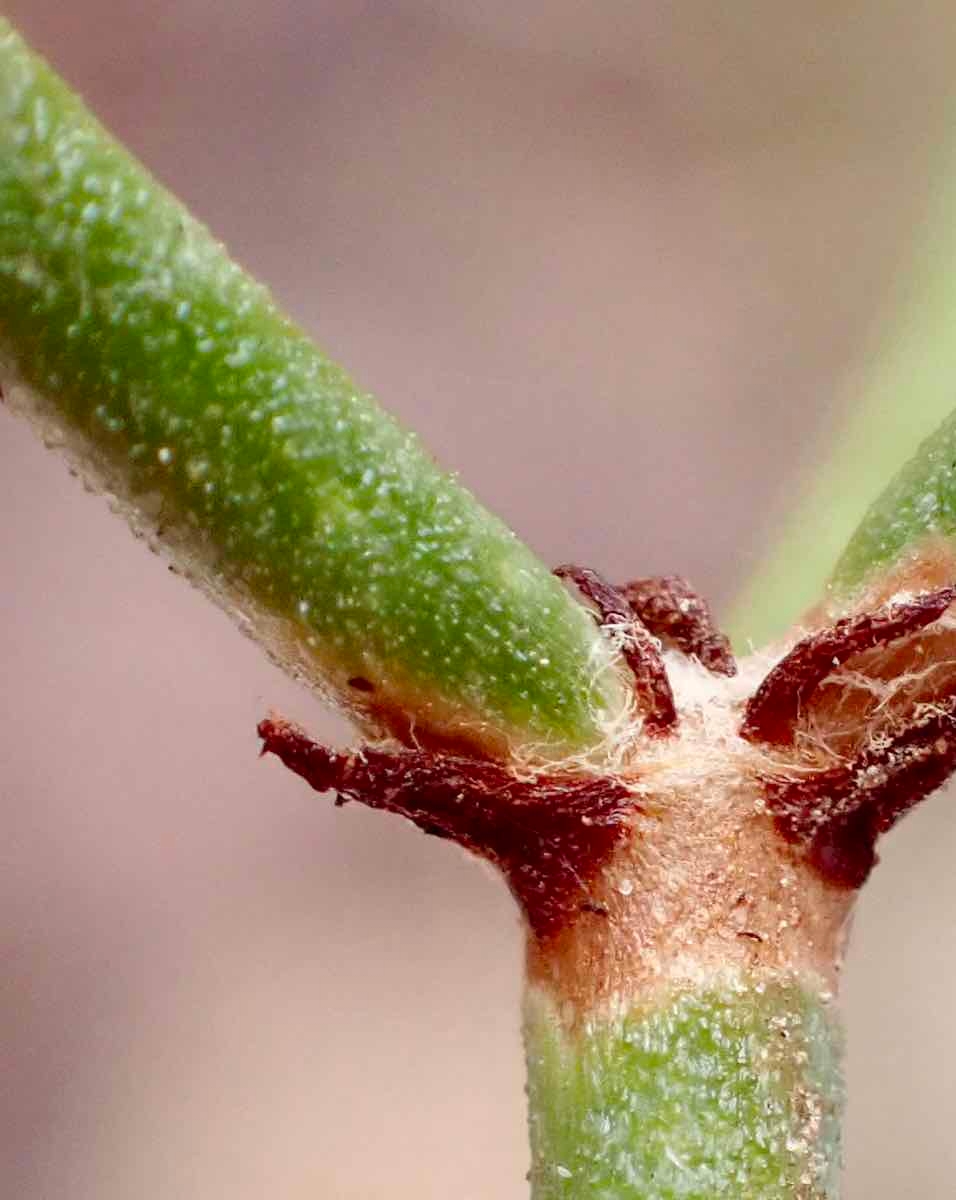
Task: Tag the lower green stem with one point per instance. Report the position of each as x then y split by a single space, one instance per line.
733 1091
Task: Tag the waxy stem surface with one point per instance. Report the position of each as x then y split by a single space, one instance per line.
175 384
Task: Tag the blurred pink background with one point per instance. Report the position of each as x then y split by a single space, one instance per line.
614 264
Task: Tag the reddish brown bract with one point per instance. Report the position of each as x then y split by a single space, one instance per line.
773 710
654 693
671 610
550 834
839 814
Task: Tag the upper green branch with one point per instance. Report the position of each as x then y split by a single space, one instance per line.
178 384
918 504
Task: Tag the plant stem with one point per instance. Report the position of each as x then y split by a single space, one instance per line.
917 509
731 1091
173 381
686 902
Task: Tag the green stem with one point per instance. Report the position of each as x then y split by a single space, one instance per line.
732 1091
174 382
917 509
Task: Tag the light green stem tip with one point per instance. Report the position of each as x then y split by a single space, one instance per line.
919 503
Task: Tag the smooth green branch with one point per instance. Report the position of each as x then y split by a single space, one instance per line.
174 382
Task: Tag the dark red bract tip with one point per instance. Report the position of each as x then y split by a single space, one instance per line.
772 713
677 614
550 834
839 814
654 693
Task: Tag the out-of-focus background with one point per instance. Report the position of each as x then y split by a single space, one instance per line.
618 265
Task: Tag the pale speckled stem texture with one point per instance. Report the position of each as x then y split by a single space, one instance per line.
732 1092
175 383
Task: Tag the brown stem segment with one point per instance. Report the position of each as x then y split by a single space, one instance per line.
654 693
677 614
772 712
838 814
550 835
